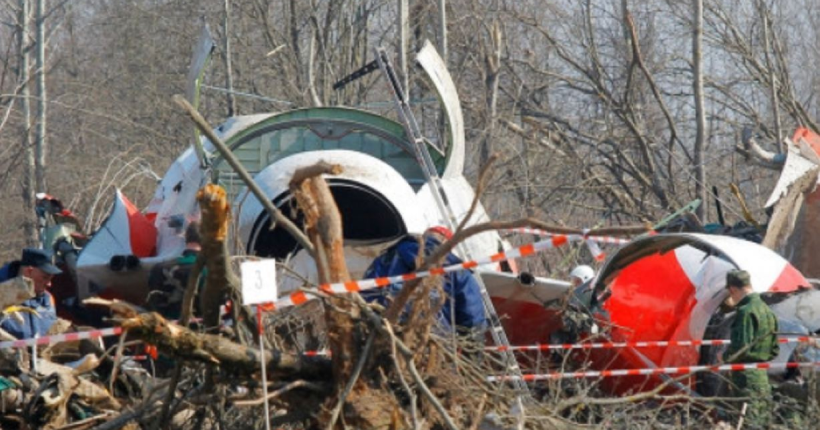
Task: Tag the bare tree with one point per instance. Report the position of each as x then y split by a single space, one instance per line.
226 29
23 46
700 114
40 74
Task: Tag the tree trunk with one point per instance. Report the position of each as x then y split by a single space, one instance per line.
404 29
41 148
221 282
700 115
778 130
323 225
228 70
23 45
492 61
364 407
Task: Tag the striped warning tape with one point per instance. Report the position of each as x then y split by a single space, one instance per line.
640 344
598 239
65 337
592 242
554 241
655 371
300 297
613 345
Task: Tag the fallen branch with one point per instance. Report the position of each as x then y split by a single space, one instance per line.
483 177
293 385
183 343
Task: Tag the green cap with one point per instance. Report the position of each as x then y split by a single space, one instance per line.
738 278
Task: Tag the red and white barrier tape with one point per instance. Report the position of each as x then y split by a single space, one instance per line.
300 297
611 345
65 337
554 241
594 249
640 344
656 371
598 239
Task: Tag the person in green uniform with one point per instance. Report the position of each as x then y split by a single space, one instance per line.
753 340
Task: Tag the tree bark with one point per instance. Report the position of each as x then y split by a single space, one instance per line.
404 29
492 62
186 344
29 226
778 130
41 148
700 114
362 405
228 70
221 282
323 225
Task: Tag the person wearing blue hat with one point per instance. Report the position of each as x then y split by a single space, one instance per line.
37 265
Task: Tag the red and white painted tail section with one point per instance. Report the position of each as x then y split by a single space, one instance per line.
667 287
664 287
125 232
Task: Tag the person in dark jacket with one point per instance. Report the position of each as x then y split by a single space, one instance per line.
753 340
466 308
37 265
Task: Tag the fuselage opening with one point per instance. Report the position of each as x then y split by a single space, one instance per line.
367 218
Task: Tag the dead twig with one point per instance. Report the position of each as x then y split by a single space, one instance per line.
483 177
86 423
293 385
117 358
410 393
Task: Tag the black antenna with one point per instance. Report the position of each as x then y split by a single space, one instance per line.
364 71
718 206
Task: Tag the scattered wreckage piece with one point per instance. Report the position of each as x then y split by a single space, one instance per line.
795 202
52 395
663 287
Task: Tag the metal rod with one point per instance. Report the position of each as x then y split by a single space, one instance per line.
262 362
437 191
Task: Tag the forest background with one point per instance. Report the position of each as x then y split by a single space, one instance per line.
604 112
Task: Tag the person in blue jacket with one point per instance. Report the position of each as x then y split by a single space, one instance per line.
35 264
460 286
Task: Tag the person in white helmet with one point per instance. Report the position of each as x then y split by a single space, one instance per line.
581 275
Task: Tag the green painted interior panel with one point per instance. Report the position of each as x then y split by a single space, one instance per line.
316 129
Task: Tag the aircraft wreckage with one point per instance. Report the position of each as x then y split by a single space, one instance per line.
658 287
